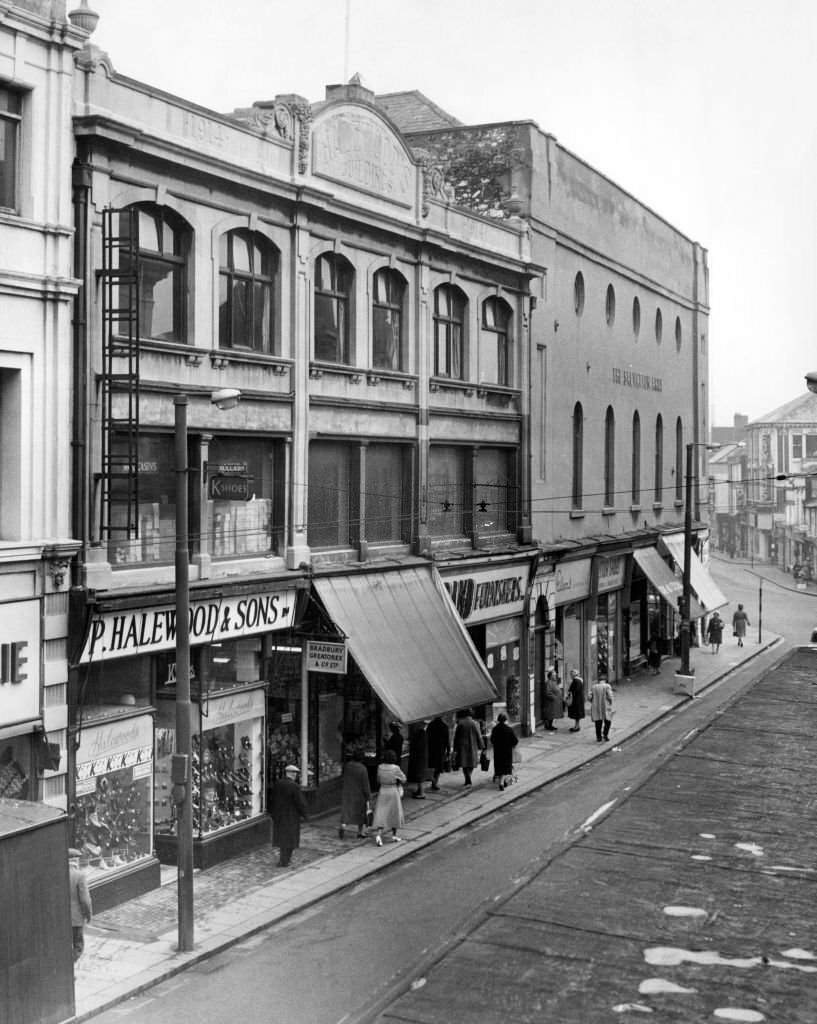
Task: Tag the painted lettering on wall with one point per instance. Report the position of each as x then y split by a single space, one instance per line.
12 662
631 379
357 148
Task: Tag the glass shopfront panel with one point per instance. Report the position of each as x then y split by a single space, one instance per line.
606 637
113 793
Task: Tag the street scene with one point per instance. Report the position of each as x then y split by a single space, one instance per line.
408 528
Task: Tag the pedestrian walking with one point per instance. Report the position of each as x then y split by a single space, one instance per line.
601 708
553 704
355 796
714 632
468 743
418 759
740 620
395 742
288 810
503 740
81 906
575 700
388 808
654 654
439 750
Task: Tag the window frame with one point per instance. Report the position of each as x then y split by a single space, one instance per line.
341 272
178 262
635 466
609 458
394 305
251 279
658 497
14 120
502 332
577 474
449 332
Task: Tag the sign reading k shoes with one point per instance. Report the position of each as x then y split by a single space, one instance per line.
123 634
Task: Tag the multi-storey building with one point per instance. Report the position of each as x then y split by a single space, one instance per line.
37 291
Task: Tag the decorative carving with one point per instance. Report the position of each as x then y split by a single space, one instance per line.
57 569
372 379
315 373
303 114
194 359
434 184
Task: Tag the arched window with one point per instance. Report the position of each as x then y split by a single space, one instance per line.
610 458
248 265
333 291
610 306
659 459
578 293
659 325
494 343
449 323
387 320
679 460
636 316
577 495
635 492
678 333
163 245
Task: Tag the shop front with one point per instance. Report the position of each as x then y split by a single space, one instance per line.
703 588
382 646
492 601
655 599
20 707
124 818
608 585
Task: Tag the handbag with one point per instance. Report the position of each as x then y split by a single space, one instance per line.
400 790
484 761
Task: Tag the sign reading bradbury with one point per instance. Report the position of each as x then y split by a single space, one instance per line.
122 634
488 594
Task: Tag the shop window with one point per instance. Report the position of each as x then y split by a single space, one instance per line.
247 279
609 458
679 460
494 343
15 769
245 497
387 320
163 245
577 496
11 109
337 494
333 294
635 491
659 460
449 326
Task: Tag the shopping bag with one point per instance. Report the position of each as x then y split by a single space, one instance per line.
484 761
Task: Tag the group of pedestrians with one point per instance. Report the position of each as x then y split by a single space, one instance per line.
714 630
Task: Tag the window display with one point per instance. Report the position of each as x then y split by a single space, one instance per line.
227 763
113 793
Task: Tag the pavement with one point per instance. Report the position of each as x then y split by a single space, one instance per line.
132 947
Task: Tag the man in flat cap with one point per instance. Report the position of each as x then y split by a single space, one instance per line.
81 907
288 808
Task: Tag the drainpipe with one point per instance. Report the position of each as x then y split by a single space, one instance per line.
81 182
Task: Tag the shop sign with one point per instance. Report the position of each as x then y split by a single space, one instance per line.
228 488
124 634
323 657
568 582
19 662
489 594
236 707
111 747
610 569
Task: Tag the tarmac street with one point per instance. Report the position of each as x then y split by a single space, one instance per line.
132 947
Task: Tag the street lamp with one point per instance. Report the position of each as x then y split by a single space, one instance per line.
225 398
686 599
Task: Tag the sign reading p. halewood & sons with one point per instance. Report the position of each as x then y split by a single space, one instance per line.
150 630
488 593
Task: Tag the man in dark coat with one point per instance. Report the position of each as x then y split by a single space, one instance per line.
503 740
288 808
439 749
418 759
395 742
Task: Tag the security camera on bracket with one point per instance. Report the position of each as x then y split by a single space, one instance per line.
226 398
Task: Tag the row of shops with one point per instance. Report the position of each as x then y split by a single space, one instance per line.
306 674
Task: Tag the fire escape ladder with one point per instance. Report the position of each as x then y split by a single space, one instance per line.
120 375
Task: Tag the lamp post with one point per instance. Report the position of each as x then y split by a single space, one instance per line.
182 776
686 599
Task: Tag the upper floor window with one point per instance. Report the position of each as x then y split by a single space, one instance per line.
387 320
162 247
659 325
577 496
609 458
679 460
449 324
578 294
797 446
333 294
636 317
10 119
610 306
678 333
635 492
471 493
494 354
248 265
659 459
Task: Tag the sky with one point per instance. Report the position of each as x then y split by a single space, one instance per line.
704 110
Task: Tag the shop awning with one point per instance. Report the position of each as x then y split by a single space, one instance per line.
406 637
701 583
668 585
